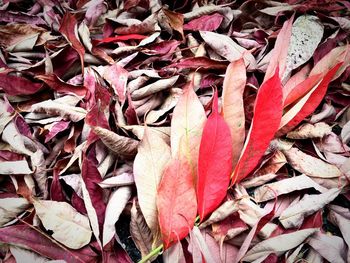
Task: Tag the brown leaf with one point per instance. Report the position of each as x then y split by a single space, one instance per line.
305 131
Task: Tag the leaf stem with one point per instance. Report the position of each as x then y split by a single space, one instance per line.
153 253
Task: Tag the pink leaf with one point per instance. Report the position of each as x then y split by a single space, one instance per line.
205 23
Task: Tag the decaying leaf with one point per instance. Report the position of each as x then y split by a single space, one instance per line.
10 208
69 227
305 131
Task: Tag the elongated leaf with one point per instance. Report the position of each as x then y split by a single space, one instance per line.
70 30
313 101
176 202
69 227
150 161
232 105
13 85
214 162
268 106
278 244
186 127
115 207
10 208
294 215
33 239
279 53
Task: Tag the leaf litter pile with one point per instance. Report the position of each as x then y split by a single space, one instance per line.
194 131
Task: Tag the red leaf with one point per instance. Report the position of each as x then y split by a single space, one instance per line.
14 86
301 89
265 123
68 29
60 86
205 23
29 238
313 101
122 38
214 162
176 202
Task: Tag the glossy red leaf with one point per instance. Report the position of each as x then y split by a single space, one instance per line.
214 162
68 29
122 38
13 85
205 23
313 101
267 117
35 240
176 202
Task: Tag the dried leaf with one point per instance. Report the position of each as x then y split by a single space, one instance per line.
152 157
232 105
311 166
116 204
305 131
69 227
10 208
294 215
15 167
123 146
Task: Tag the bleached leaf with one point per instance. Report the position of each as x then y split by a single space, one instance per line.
153 155
139 231
55 108
294 215
258 180
84 35
307 130
274 10
227 48
69 227
119 180
345 133
11 207
311 166
332 248
15 167
115 207
16 140
196 236
22 255
223 211
307 32
174 254
340 216
278 244
270 191
138 131
123 146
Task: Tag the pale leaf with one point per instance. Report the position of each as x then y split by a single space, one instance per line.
174 254
153 155
307 130
227 208
294 215
139 231
270 191
115 207
10 208
15 167
22 255
311 166
278 244
69 227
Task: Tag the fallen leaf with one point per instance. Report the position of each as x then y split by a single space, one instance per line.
305 131
15 167
176 202
268 105
13 85
115 206
311 166
214 162
69 227
278 244
152 157
205 23
232 105
270 191
174 254
11 207
294 215
186 127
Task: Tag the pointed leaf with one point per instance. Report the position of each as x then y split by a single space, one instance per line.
268 106
232 105
186 127
214 162
176 202
69 227
150 161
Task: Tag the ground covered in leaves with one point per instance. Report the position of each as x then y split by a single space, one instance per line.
174 131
